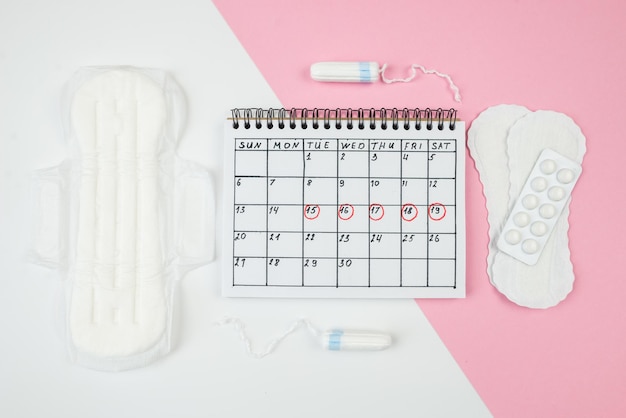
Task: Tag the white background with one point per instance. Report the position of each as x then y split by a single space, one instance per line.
207 373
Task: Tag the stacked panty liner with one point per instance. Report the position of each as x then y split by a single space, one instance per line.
505 141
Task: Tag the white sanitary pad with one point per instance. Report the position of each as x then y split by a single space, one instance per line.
133 217
505 142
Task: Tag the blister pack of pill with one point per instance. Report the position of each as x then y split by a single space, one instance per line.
538 206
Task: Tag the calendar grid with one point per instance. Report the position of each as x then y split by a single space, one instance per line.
375 211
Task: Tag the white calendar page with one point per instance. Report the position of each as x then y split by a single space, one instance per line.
368 213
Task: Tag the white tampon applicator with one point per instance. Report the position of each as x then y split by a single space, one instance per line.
369 72
346 72
350 340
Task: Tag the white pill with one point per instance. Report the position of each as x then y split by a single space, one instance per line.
345 72
556 193
539 228
521 219
548 167
547 211
539 184
530 246
530 201
565 176
513 237
337 340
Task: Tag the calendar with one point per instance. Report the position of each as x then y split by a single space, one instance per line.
369 207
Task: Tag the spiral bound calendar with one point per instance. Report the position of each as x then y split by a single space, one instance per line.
344 203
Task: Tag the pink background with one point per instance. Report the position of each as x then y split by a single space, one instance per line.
568 361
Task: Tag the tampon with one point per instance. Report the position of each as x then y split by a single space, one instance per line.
370 72
346 72
349 340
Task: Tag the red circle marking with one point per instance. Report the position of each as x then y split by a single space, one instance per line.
350 211
317 212
382 211
430 208
408 205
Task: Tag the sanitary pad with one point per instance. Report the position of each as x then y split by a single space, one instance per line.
505 142
132 217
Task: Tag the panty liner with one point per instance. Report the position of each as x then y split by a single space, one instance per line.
505 142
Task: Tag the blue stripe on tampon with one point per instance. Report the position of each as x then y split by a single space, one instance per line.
334 340
364 71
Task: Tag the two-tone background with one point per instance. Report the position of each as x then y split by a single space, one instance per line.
475 357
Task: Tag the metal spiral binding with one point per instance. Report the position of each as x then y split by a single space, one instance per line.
375 118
